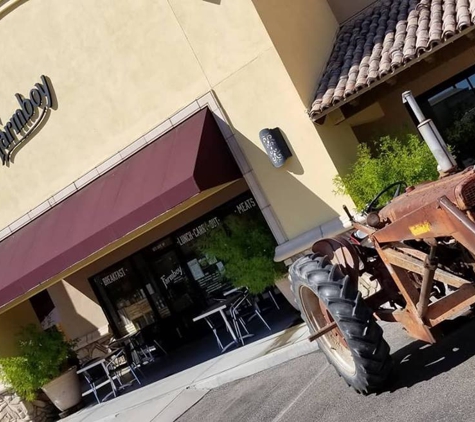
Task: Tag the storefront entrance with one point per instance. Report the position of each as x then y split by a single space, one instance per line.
169 282
139 292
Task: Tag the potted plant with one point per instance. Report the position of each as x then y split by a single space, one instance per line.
246 247
46 361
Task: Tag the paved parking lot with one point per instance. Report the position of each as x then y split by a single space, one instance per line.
430 383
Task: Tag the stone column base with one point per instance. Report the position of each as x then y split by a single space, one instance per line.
12 408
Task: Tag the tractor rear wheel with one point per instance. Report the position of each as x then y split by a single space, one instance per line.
356 348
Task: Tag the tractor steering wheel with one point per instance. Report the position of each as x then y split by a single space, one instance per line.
372 205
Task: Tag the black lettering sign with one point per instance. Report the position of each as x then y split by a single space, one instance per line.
36 98
19 121
4 142
26 119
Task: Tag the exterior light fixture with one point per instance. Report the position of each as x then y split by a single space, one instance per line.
275 145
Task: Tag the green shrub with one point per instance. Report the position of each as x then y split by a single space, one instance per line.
384 162
43 356
246 247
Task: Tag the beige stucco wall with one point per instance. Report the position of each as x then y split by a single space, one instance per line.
10 324
274 90
345 9
224 37
78 308
303 33
301 192
140 62
115 78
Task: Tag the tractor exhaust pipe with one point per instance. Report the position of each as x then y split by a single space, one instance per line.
431 135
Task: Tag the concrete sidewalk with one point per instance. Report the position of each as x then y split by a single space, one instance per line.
166 400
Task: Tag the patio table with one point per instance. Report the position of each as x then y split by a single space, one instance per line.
230 292
219 307
122 340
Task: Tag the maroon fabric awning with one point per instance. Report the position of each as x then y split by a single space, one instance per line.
185 161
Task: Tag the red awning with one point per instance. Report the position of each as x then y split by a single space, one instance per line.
185 161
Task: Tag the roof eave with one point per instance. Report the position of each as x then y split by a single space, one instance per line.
319 117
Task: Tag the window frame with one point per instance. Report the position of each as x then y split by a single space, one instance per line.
423 99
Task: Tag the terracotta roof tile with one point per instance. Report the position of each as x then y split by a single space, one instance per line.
385 37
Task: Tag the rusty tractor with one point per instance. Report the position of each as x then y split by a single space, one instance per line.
419 247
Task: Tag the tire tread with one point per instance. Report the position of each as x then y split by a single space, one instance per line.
355 320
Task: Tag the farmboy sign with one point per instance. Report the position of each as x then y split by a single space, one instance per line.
26 119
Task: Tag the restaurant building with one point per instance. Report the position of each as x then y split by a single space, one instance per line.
130 129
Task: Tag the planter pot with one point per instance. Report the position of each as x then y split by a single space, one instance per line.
64 391
284 286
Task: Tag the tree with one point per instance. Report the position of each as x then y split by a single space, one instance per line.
246 247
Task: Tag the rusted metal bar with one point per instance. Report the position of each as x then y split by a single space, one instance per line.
323 331
385 315
428 221
450 305
465 228
365 229
417 266
430 265
400 277
416 253
414 325
408 317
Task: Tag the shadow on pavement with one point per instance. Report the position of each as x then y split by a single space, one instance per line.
419 361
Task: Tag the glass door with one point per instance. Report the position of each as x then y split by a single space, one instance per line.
172 279
125 298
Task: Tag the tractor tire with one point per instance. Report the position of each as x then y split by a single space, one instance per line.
356 348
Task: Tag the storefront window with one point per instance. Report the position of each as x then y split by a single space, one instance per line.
205 270
125 298
452 107
208 271
170 281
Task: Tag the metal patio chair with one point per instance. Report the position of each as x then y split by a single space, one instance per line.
145 342
120 363
96 379
245 307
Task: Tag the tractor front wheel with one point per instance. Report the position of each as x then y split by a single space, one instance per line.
356 348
